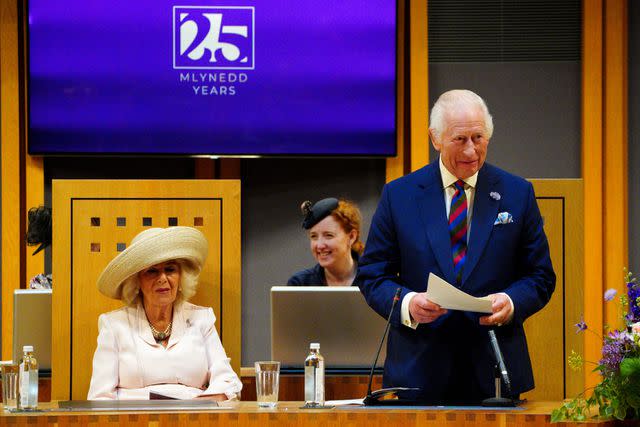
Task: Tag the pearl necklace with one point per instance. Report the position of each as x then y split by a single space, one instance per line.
161 336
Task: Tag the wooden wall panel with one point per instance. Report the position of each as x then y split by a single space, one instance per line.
550 332
33 174
10 167
87 265
615 154
412 142
604 163
592 173
545 329
419 77
76 300
34 196
22 175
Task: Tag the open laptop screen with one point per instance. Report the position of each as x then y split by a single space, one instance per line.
32 325
338 318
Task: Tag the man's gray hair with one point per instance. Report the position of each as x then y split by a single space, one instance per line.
453 98
188 285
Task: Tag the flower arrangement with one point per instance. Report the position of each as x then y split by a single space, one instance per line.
618 393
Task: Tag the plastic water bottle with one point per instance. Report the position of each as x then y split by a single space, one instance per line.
314 377
28 379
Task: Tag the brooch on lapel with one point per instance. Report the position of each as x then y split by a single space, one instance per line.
495 195
503 218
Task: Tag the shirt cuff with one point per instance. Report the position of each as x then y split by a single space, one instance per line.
513 308
405 317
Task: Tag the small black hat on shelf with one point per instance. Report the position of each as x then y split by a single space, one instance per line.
39 228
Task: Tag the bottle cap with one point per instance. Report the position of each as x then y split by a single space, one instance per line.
27 348
315 346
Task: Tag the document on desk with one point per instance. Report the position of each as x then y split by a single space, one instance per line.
449 297
345 402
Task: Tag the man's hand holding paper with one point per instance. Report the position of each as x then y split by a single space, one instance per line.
424 311
440 292
427 307
502 310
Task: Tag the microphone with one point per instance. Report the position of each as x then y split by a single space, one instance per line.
374 398
500 360
501 369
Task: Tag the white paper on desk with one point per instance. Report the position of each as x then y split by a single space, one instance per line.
344 402
449 297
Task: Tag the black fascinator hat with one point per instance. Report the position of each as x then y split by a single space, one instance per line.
314 213
39 228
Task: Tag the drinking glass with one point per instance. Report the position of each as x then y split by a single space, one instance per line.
267 383
10 372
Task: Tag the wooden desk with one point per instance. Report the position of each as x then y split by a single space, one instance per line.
335 386
288 414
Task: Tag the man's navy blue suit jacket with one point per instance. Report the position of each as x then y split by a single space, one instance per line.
409 239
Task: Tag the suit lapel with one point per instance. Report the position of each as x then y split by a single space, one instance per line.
179 324
485 210
432 212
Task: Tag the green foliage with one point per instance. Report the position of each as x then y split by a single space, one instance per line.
630 367
618 393
578 409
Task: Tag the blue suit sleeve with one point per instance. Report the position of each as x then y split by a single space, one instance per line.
380 263
534 289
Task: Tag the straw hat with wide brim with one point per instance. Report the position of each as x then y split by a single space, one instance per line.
150 247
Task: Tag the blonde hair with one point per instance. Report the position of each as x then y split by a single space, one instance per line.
348 216
187 288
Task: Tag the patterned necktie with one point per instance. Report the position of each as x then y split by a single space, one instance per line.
458 229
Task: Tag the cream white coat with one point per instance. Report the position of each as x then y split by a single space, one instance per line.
128 363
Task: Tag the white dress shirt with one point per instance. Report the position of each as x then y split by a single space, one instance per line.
448 179
128 363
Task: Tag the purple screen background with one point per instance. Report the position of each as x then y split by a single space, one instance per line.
101 80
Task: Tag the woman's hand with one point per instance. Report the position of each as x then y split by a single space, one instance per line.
214 397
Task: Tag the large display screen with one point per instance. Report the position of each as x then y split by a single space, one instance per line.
216 77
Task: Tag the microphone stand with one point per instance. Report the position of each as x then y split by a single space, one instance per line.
376 398
500 371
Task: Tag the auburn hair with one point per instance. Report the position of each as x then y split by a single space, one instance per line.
348 216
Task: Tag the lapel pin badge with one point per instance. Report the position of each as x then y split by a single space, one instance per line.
494 195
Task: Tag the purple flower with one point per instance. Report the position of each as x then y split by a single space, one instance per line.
610 294
580 326
633 292
616 345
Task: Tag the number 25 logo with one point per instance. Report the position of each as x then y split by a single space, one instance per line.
214 37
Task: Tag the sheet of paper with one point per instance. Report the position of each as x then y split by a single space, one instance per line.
449 297
345 402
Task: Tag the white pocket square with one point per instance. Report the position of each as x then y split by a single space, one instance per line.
503 218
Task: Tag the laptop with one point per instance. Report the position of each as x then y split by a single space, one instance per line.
348 330
32 325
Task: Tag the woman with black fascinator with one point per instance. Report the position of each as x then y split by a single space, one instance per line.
334 236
